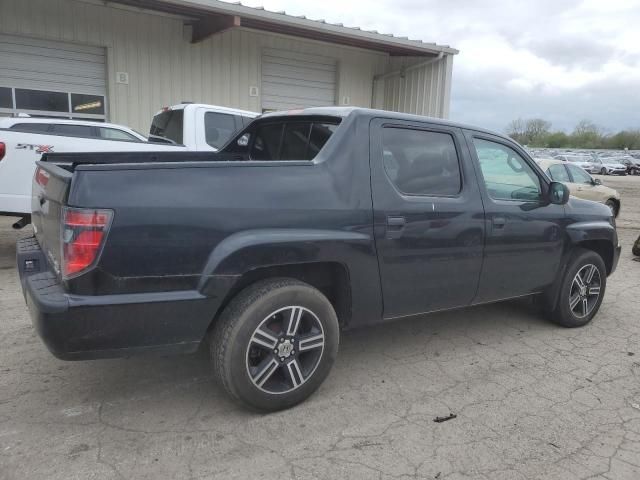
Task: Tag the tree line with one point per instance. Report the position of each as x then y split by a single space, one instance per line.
536 132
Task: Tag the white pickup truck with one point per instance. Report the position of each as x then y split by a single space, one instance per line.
23 140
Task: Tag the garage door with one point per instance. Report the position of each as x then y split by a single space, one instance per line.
295 80
44 77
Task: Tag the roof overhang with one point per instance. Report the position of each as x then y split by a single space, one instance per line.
210 17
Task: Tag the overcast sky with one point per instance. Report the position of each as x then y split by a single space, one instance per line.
562 60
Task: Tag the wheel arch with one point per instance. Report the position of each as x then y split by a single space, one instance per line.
330 278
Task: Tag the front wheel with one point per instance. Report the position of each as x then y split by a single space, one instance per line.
581 291
613 206
603 171
275 343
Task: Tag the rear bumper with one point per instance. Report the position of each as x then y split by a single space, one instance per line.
75 327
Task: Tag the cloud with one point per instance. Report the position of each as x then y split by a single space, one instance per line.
562 60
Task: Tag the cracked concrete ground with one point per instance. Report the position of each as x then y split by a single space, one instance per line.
532 400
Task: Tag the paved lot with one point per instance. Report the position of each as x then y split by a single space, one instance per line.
532 400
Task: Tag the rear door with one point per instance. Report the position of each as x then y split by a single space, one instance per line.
428 214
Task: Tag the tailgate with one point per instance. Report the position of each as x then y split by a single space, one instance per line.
50 189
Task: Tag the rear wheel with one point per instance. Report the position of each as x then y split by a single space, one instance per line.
581 290
603 171
275 343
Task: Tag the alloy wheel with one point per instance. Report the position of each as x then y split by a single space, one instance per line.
285 350
585 290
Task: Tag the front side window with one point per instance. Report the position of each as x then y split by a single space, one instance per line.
507 176
579 175
558 173
420 162
218 128
81 103
115 134
41 100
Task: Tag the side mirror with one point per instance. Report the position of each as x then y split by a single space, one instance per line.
596 181
558 193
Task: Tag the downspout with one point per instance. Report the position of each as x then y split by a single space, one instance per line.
402 72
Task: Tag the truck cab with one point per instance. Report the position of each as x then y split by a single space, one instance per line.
199 127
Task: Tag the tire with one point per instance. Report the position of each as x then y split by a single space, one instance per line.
613 206
603 171
563 314
255 345
636 247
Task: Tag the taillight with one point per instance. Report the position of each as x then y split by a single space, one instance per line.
3 150
83 235
42 177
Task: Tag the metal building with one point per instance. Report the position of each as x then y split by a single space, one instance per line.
122 60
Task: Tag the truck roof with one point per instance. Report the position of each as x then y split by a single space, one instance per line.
217 108
7 122
372 113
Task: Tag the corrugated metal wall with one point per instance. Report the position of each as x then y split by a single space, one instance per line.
424 90
164 68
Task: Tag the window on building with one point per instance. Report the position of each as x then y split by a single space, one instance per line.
420 162
81 103
507 175
218 128
42 100
558 173
6 98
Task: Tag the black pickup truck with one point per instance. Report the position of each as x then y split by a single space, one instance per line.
305 224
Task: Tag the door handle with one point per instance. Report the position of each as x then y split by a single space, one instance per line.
498 225
395 225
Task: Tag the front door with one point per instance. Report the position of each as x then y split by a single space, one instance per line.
524 241
428 216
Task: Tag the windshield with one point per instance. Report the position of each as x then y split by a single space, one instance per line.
610 160
168 124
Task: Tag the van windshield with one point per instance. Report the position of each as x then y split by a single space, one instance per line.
168 124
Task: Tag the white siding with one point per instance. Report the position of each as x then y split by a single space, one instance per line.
296 81
164 68
423 90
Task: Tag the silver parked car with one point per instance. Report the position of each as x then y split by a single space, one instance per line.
612 166
583 161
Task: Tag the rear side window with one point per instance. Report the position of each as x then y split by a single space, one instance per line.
299 140
31 127
72 130
218 128
420 162
168 124
558 173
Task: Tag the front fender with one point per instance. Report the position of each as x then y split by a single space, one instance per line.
592 230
